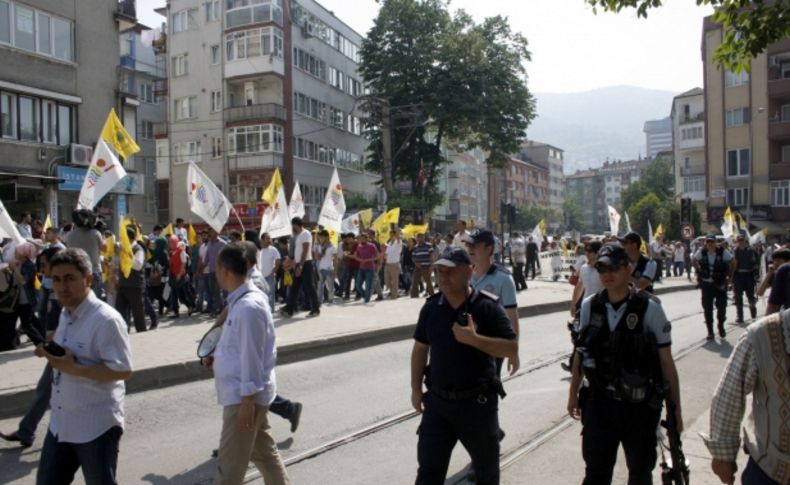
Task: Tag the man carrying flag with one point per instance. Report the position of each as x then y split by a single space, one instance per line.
131 280
334 206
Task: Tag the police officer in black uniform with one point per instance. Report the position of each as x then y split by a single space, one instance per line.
644 269
746 263
624 355
460 333
714 266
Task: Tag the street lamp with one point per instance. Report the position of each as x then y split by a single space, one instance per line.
751 168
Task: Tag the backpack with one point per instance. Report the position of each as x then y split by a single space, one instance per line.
9 292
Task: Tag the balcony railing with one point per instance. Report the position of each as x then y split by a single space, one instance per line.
691 171
692 119
779 170
160 129
779 88
256 112
779 129
160 87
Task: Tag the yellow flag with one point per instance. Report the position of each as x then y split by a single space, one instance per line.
109 248
192 236
47 223
334 237
382 224
659 231
116 135
273 190
365 216
168 230
411 230
126 255
37 283
564 248
393 215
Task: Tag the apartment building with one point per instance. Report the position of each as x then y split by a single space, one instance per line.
550 158
587 189
255 85
526 183
464 183
688 145
58 82
658 136
747 135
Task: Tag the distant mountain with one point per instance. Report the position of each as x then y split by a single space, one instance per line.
592 126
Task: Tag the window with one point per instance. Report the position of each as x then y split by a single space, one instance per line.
214 54
243 12
64 125
738 162
5 22
310 64
785 153
49 121
738 117
8 115
732 80
694 184
216 101
35 31
147 93
255 139
63 35
780 193
252 43
185 20
147 130
310 107
186 108
184 152
44 31
180 65
785 112
24 32
216 147
737 197
212 11
28 118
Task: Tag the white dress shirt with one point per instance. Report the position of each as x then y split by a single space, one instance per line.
246 354
393 251
268 260
83 409
301 238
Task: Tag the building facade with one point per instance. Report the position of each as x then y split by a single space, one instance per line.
464 183
688 140
658 136
747 136
526 183
51 111
550 158
255 85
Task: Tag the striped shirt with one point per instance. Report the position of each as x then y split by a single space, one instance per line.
421 254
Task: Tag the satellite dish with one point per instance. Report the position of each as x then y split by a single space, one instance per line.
209 342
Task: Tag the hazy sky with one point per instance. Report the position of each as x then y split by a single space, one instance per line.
572 49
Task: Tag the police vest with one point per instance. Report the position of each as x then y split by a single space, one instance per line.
747 259
621 364
639 269
718 271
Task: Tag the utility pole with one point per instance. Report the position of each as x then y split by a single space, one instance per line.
386 142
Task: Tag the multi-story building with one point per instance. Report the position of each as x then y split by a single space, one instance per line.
747 135
59 80
658 136
688 140
255 85
463 182
526 183
587 189
550 158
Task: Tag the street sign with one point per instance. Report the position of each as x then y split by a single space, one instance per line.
688 231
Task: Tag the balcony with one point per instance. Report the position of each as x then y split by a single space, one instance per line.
779 88
254 66
779 170
692 119
256 112
691 144
160 129
160 87
779 129
255 161
692 171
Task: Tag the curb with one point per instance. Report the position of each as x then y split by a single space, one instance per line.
16 402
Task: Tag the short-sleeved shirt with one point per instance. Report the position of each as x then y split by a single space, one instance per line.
726 256
655 320
299 240
421 254
591 280
648 272
780 289
327 261
366 251
393 251
518 250
84 409
457 366
212 251
267 260
498 282
90 241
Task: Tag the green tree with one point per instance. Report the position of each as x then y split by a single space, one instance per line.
446 79
656 178
750 26
574 217
528 216
649 208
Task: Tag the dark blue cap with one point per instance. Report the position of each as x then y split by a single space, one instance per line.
452 257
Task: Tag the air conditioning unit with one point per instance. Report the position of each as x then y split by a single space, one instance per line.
773 61
80 154
307 29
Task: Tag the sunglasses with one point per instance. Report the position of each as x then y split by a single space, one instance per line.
609 269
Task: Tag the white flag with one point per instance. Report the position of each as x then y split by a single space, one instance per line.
351 224
205 199
104 172
334 205
649 233
614 221
7 227
296 207
275 219
627 222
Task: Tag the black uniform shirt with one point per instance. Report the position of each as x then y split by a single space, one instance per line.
453 365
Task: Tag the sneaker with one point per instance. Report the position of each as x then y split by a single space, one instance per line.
295 416
314 313
711 336
722 332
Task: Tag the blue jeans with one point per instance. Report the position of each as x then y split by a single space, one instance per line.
214 296
365 276
98 460
327 281
754 475
271 281
39 406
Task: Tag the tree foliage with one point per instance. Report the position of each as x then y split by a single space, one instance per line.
656 178
528 216
446 78
574 216
750 26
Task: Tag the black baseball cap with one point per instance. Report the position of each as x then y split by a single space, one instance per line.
710 237
631 237
741 237
480 236
612 254
452 257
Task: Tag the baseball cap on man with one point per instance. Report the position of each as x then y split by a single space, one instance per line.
710 238
452 257
611 254
479 236
631 237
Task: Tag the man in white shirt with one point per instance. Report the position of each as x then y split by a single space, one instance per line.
181 231
392 254
460 233
518 259
244 377
129 298
24 226
268 264
302 271
86 419
327 262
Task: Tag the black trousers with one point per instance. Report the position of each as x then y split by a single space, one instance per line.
518 277
304 283
98 460
606 425
130 299
744 283
444 423
532 264
712 294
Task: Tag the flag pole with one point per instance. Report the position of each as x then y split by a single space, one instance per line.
238 219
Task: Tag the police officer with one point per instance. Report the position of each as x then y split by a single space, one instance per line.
625 358
714 266
746 264
644 269
463 331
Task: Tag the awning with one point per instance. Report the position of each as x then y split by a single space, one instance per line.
774 228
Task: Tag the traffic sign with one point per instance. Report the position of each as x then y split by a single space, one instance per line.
688 231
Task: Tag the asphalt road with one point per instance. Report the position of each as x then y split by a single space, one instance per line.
355 428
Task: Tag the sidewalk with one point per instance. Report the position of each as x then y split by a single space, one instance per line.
167 356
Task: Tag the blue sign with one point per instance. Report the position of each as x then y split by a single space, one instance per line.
72 178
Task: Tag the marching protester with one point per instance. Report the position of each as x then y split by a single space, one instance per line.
378 263
461 331
679 259
392 268
269 263
644 270
87 237
780 257
656 251
458 236
24 227
714 266
326 253
532 256
518 260
589 284
213 247
366 255
348 266
617 325
302 272
746 262
129 298
178 279
422 258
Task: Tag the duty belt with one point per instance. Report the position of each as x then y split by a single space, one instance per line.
461 395
745 271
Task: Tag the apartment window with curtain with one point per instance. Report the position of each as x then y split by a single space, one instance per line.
737 197
738 162
780 193
24 27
